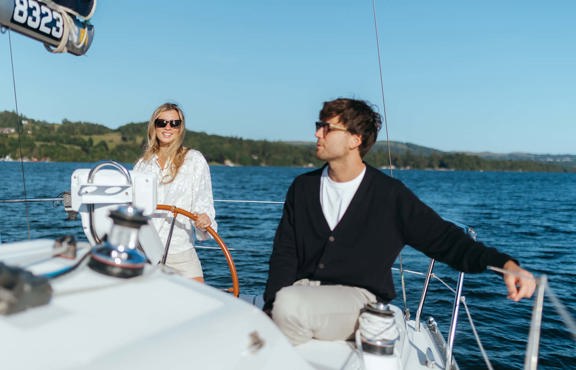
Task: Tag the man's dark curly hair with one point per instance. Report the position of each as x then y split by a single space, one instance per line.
359 117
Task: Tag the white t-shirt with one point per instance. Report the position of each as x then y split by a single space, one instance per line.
335 197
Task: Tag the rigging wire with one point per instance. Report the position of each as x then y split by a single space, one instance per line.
385 119
476 336
562 311
384 115
20 129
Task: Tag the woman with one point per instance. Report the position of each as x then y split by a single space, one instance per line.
183 181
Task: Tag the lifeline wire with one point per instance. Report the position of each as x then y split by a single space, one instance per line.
20 128
31 200
59 199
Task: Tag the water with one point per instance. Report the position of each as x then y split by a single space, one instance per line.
528 215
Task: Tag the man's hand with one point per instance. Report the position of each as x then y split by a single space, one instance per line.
520 283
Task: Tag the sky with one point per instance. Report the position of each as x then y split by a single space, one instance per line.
476 76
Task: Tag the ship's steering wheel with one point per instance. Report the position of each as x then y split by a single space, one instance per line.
235 289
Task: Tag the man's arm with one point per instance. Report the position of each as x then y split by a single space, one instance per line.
444 241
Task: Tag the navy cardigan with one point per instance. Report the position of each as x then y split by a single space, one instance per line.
383 216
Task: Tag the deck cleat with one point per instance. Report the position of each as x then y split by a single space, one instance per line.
20 290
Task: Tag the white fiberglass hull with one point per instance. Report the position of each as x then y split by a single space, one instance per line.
154 321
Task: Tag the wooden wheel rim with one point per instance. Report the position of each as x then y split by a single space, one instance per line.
176 211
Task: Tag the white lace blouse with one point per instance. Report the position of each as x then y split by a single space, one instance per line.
191 190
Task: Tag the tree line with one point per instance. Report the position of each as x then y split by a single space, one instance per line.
88 142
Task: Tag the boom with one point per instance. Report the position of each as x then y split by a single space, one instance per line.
62 28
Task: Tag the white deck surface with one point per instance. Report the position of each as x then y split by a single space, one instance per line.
157 321
163 321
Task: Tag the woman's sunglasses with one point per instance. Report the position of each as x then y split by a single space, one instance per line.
161 123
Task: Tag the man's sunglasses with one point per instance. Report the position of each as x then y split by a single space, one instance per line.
161 123
327 127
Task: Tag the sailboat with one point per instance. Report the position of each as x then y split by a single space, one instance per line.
108 303
101 304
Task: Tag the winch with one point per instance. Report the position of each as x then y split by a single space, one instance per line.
378 331
119 255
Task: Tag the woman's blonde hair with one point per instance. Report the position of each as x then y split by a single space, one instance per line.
176 151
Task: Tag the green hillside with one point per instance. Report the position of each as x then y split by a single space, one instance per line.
88 142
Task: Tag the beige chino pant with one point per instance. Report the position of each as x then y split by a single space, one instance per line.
186 263
307 310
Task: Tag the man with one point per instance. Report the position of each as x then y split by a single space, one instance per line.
344 225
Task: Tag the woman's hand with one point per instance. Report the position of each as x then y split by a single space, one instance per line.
203 221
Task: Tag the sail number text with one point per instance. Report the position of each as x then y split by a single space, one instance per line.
38 17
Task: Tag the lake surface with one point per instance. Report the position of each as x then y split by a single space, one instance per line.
531 216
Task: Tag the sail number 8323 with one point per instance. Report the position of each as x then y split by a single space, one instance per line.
38 17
